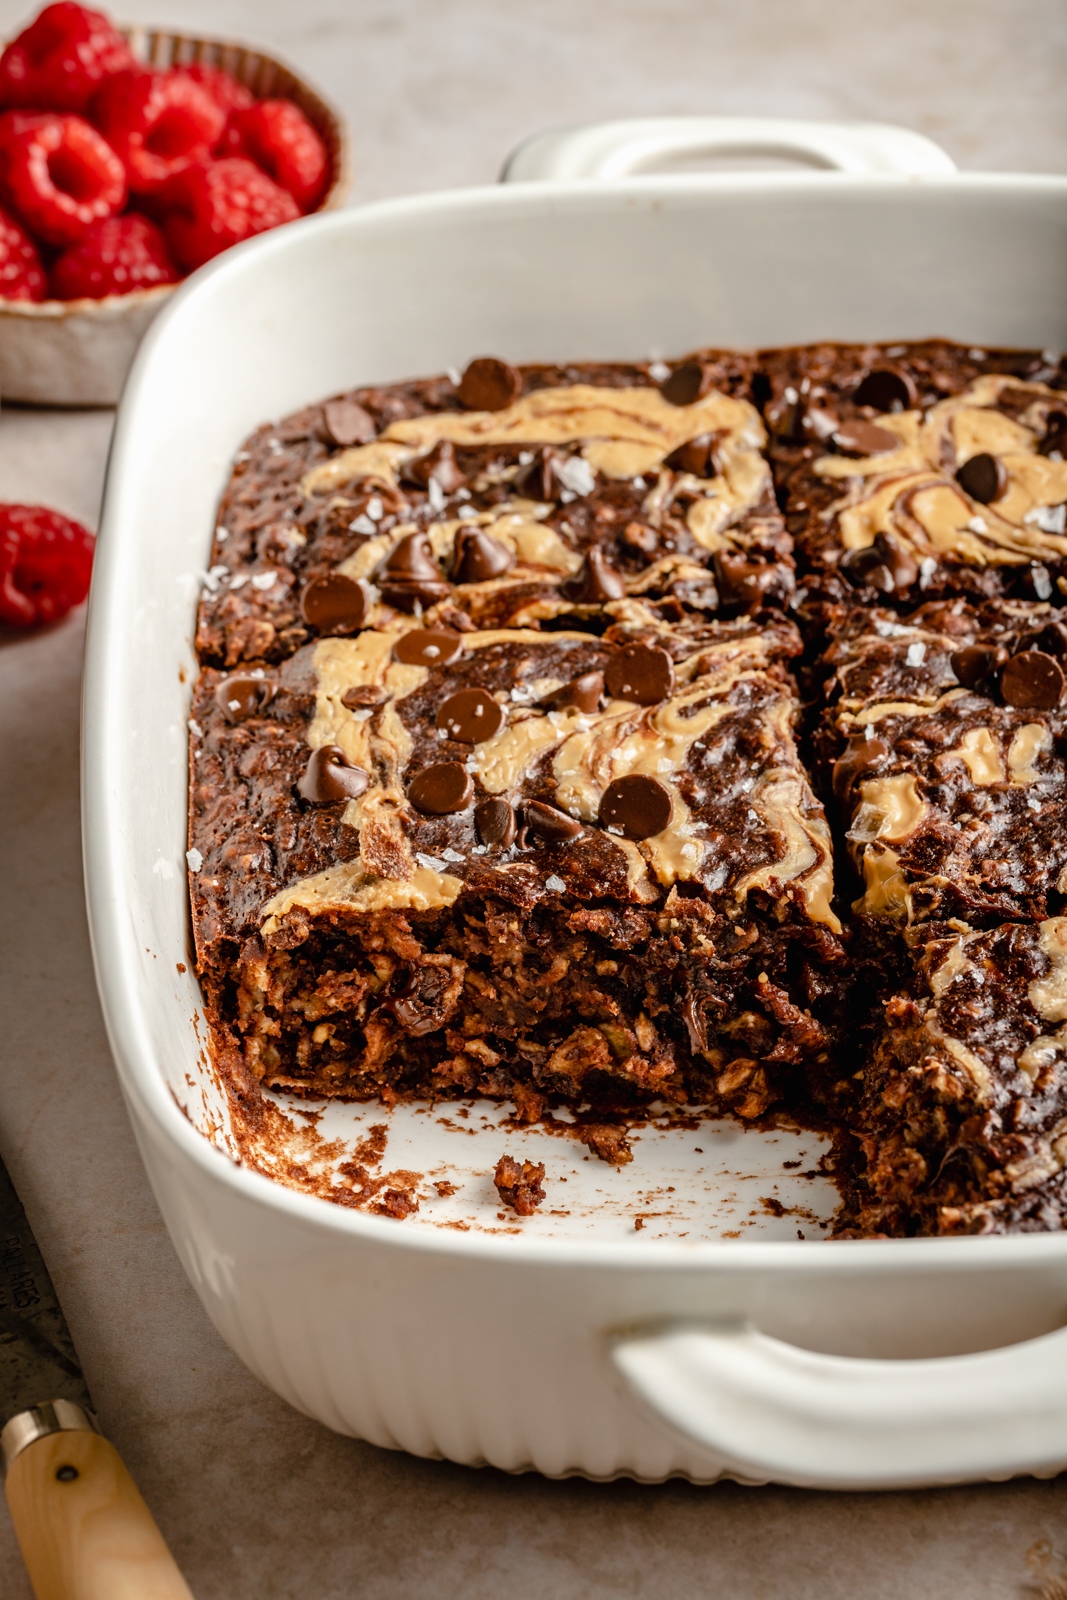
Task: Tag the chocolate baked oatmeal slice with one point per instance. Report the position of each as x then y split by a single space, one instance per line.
545 866
942 743
919 471
511 497
963 1122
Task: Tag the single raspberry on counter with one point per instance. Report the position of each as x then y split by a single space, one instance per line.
21 273
277 136
218 204
45 563
158 122
61 58
58 174
115 257
227 93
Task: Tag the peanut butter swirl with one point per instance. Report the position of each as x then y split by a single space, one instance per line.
912 492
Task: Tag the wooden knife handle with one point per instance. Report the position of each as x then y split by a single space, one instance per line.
84 1531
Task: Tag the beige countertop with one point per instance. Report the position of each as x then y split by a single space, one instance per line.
256 1500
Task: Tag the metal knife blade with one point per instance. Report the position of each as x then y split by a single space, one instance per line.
38 1361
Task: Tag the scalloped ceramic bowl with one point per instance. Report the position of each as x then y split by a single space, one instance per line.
78 352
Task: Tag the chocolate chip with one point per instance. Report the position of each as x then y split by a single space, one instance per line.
595 580
639 536
241 696
983 478
334 604
347 422
479 557
438 466
583 694
687 383
636 806
886 389
409 574
539 479
861 755
470 715
428 647
330 776
441 789
363 695
744 584
785 420
1054 441
543 824
975 663
696 456
495 822
860 438
640 672
883 565
1032 680
489 384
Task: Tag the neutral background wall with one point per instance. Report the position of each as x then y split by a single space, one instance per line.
257 1501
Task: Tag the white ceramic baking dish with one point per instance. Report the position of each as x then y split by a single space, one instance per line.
711 1340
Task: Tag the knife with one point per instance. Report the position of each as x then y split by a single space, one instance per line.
84 1531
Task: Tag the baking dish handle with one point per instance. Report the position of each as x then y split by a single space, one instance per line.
633 144
774 1411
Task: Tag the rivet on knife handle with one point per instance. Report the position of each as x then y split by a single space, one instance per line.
83 1528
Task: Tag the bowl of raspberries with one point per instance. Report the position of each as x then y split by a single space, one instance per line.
128 158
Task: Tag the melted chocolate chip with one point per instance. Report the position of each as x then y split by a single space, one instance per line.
479 557
1055 437
443 788
1032 680
539 479
861 756
334 604
983 478
364 695
860 438
640 672
636 806
348 423
496 823
241 696
489 384
976 663
595 580
544 824
330 776
696 456
883 565
886 389
470 715
428 647
438 466
583 694
688 383
744 584
409 574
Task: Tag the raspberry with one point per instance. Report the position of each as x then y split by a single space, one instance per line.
21 273
59 60
159 122
227 93
220 203
277 136
114 257
58 174
45 563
